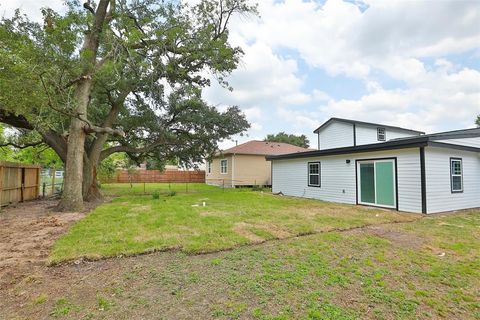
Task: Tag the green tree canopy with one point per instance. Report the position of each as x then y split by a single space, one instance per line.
119 76
477 122
301 140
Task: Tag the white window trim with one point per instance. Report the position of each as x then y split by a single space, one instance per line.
452 160
226 166
359 185
314 174
384 134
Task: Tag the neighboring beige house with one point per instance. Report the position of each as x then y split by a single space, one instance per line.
245 164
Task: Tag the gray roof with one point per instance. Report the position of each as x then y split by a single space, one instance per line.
455 134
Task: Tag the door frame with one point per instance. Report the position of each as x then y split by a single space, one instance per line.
357 177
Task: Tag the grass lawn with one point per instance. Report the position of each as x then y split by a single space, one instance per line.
136 223
416 268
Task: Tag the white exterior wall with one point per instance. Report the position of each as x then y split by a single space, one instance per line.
336 135
439 195
368 134
340 134
470 142
338 179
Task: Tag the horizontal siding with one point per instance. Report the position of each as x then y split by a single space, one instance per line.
439 195
470 142
368 134
338 178
336 135
215 177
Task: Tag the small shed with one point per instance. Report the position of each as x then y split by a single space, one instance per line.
18 182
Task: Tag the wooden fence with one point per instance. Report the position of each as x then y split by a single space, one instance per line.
18 182
123 176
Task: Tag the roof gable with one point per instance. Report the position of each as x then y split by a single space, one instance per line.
408 142
331 120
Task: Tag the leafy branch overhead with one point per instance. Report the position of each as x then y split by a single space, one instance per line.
144 81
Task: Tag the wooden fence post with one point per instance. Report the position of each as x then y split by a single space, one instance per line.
53 181
1 186
39 181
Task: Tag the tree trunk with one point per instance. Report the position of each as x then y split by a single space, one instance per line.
91 192
72 197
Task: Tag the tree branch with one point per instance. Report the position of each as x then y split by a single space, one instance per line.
87 6
107 152
96 129
23 146
17 121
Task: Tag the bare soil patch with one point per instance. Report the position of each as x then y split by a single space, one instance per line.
242 229
27 232
396 237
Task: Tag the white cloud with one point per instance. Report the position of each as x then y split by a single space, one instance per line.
437 99
319 95
392 38
300 119
29 7
262 77
253 113
256 126
341 39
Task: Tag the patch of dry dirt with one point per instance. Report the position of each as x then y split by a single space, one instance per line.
274 230
242 229
27 232
397 238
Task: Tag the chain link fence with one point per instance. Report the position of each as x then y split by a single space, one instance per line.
51 182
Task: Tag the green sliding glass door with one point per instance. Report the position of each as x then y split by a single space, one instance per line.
377 182
367 182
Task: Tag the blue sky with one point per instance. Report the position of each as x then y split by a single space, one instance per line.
409 63
414 64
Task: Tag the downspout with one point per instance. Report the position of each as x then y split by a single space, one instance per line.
354 135
233 170
423 180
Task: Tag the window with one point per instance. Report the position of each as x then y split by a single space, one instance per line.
223 166
381 135
209 167
314 174
456 175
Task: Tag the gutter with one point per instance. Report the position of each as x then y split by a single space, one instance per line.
356 149
417 142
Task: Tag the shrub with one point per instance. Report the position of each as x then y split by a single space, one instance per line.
156 195
172 193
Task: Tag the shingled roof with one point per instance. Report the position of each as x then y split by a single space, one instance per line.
264 148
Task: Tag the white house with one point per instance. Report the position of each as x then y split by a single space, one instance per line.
378 165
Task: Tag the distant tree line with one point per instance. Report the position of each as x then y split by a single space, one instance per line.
300 141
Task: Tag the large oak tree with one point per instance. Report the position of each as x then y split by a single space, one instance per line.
118 76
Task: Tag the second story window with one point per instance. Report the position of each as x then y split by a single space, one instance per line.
381 134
